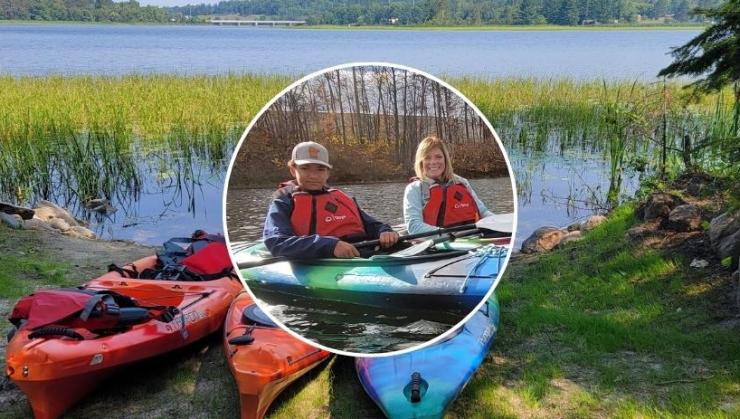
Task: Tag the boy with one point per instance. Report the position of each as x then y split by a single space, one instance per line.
308 220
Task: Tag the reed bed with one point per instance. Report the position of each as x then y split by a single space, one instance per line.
89 135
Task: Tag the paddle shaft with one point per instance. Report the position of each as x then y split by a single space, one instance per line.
440 231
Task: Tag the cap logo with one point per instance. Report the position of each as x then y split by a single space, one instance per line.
313 152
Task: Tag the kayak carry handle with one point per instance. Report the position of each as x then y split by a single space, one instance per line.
245 339
55 331
415 387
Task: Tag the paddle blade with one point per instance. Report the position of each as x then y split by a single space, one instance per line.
497 222
414 250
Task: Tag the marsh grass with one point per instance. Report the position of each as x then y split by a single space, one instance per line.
73 138
77 138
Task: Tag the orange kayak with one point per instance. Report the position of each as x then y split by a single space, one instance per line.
263 358
56 371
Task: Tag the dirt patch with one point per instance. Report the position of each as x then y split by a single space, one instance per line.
714 280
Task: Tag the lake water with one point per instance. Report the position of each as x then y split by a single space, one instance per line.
28 49
551 185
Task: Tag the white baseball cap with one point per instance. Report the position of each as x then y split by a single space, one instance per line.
310 152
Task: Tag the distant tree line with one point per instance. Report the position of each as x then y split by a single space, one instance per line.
454 12
82 11
371 118
367 12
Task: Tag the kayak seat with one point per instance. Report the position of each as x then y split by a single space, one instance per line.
253 315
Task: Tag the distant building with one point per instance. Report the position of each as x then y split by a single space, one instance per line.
587 22
393 21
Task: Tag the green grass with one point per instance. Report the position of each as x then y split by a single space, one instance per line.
24 267
598 328
602 328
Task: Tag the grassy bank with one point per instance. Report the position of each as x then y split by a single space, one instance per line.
608 328
601 328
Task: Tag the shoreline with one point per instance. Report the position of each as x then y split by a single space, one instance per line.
419 28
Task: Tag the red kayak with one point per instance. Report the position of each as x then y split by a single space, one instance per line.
263 358
69 340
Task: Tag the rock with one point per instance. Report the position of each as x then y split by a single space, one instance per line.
736 280
592 222
11 220
659 205
59 224
80 232
46 210
724 234
695 183
571 236
699 263
542 240
641 230
36 224
684 217
25 213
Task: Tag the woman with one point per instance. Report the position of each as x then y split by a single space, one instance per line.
438 197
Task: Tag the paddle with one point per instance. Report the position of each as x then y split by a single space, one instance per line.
426 244
498 222
502 223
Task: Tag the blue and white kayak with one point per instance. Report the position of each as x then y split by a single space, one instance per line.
423 383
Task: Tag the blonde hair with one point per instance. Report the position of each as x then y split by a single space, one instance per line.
425 147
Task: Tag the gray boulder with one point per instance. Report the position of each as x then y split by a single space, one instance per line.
641 230
80 232
736 280
571 236
684 217
543 239
59 224
47 211
11 220
658 205
724 234
592 222
37 224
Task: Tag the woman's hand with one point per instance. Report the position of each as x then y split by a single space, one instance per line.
345 250
388 239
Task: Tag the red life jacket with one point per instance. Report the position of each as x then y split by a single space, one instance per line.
332 213
450 205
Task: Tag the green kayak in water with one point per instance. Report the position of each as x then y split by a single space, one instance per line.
449 275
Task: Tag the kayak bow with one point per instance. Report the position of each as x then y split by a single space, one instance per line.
263 358
423 383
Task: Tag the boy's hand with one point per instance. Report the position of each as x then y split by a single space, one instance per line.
388 239
345 250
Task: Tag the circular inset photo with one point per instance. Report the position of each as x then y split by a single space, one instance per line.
370 209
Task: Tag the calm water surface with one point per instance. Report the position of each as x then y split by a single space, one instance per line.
551 185
28 49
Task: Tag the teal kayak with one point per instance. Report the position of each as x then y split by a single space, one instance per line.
452 276
423 383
